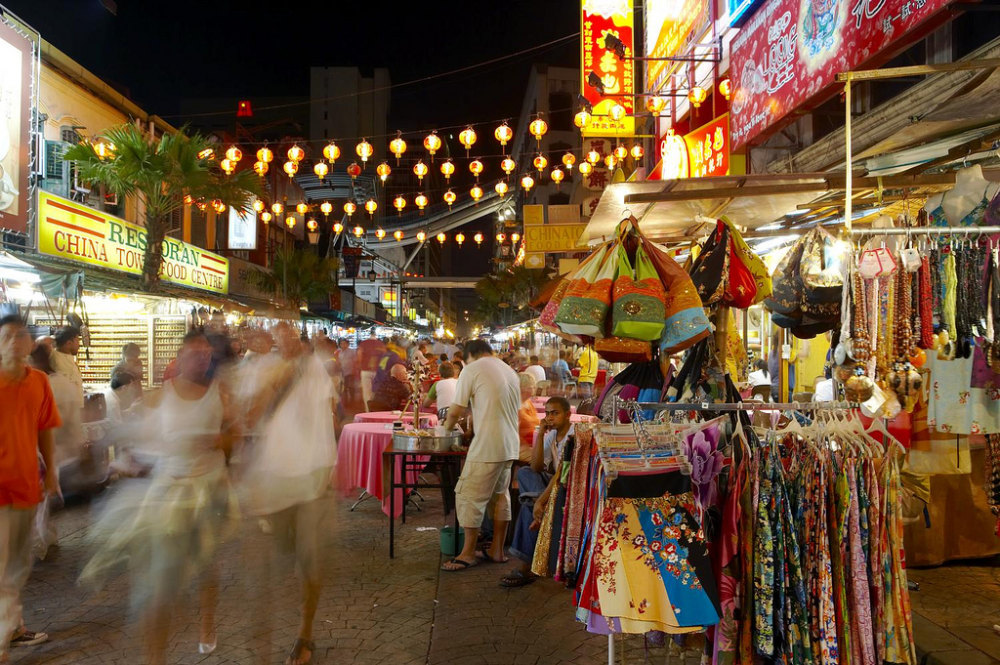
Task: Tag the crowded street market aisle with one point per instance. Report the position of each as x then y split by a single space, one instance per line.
374 610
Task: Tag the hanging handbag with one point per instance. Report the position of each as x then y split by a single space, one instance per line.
638 299
546 320
754 264
786 296
710 270
685 323
584 309
822 279
623 350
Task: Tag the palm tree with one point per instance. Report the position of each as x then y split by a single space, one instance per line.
504 295
159 173
302 275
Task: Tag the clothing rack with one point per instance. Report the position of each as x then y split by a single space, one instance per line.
926 230
747 406
618 403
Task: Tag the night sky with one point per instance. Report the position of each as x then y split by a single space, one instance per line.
162 51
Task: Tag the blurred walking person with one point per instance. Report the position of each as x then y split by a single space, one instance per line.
289 467
168 530
27 419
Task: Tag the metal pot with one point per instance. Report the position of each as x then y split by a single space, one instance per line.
431 444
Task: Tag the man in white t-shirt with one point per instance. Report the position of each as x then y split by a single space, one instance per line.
535 370
494 392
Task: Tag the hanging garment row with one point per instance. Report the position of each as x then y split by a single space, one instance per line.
784 544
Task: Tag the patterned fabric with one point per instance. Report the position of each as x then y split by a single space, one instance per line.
638 297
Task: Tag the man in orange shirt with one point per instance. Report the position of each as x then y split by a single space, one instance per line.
26 421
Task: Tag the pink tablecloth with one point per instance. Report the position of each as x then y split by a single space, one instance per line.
359 461
391 416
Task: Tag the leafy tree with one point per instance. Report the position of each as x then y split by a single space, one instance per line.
159 173
301 276
504 297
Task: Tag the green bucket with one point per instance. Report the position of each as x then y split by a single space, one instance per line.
448 546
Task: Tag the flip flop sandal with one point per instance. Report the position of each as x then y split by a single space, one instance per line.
517 579
296 652
458 562
483 555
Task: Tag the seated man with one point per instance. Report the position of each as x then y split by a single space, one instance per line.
535 370
443 390
536 484
392 389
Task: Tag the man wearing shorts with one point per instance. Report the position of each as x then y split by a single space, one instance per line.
494 392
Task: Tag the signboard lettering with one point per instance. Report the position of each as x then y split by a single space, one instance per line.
71 231
708 148
789 53
243 228
598 19
553 237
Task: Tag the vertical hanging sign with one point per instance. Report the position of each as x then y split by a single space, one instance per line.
600 18
15 127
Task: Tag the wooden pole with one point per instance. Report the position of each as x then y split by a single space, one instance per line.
849 155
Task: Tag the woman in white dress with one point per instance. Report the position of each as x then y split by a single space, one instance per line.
168 534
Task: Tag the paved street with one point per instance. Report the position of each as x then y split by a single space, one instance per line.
373 610
405 611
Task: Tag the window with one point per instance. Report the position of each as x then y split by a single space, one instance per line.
69 134
54 164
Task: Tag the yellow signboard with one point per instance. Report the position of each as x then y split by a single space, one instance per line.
554 238
71 231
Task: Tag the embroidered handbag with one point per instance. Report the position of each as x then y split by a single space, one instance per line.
585 307
758 269
710 270
822 279
786 297
623 350
638 300
685 323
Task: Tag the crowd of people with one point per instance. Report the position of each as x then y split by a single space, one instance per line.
246 429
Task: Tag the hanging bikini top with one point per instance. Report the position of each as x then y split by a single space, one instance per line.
974 217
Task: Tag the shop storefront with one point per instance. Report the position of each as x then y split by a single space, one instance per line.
88 264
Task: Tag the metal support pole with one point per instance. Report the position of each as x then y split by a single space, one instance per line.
848 149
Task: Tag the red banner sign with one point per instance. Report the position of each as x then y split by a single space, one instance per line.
790 52
599 19
708 148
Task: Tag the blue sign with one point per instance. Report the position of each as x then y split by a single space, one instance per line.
739 11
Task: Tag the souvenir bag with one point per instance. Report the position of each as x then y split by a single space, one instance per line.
741 251
546 320
685 323
623 350
785 301
638 299
822 279
585 307
710 271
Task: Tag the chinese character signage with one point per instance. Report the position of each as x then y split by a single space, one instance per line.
708 149
671 27
77 233
790 51
599 19
15 114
